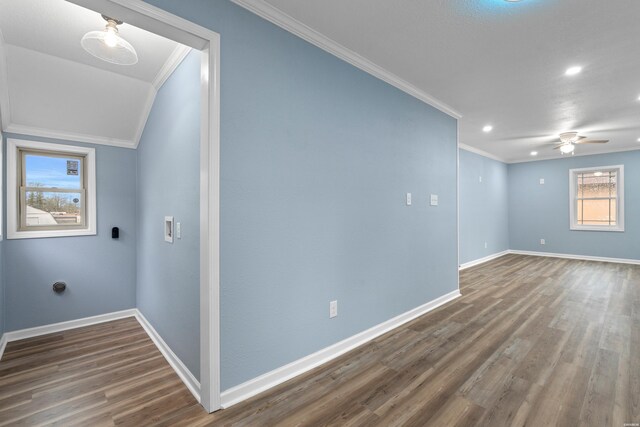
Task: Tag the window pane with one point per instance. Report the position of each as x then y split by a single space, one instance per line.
53 208
614 212
595 212
579 217
53 172
596 186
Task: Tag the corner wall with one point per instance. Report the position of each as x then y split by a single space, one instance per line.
484 218
542 211
316 159
99 271
168 276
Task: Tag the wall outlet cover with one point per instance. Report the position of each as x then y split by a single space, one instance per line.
333 309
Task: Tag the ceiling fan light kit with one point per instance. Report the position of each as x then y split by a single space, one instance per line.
108 45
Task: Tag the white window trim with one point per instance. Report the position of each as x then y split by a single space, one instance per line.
13 220
619 227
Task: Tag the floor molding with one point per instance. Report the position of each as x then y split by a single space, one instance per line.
271 379
183 372
3 344
483 260
578 257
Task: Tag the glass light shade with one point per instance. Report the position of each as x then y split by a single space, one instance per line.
109 46
568 148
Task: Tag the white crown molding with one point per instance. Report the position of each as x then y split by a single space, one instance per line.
173 61
68 136
144 117
538 159
281 19
480 152
483 260
183 372
271 379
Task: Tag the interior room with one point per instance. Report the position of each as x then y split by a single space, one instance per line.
353 213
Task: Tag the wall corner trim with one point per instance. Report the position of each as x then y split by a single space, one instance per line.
183 372
483 259
273 378
297 28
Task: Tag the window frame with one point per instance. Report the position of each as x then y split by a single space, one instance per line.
15 193
573 199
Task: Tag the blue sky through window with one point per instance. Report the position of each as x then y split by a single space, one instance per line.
51 172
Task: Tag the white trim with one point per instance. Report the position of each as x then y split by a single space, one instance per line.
52 328
3 344
183 372
540 159
271 379
281 19
483 260
91 215
171 64
480 152
619 227
578 257
146 112
68 136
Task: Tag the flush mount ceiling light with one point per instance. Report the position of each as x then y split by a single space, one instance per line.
108 45
572 71
487 128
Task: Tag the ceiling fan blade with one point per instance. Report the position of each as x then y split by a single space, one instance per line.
592 141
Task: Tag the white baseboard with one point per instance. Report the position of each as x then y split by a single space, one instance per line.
185 375
22 334
183 372
277 376
483 260
3 344
579 257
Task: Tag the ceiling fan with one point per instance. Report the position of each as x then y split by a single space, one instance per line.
569 140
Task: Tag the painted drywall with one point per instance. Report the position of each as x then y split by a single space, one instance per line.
168 290
99 271
484 206
316 158
542 211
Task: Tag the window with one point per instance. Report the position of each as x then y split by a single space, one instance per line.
597 198
50 190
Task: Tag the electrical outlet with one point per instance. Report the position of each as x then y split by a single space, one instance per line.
486 245
408 199
433 201
479 179
333 309
542 242
541 181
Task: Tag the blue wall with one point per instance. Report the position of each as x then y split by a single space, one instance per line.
542 211
2 305
316 159
483 207
99 271
168 292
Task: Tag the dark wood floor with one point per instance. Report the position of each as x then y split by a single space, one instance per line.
533 341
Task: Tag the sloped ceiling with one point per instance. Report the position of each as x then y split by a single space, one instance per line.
497 62
49 86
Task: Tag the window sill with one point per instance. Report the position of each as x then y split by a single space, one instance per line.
49 233
596 228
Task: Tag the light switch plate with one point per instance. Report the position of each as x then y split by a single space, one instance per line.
408 199
541 181
434 200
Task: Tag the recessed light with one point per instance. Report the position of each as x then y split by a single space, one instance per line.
533 153
572 71
487 128
638 139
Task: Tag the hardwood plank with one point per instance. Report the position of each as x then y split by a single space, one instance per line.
532 341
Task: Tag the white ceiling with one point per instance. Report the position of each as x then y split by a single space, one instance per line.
51 87
501 63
